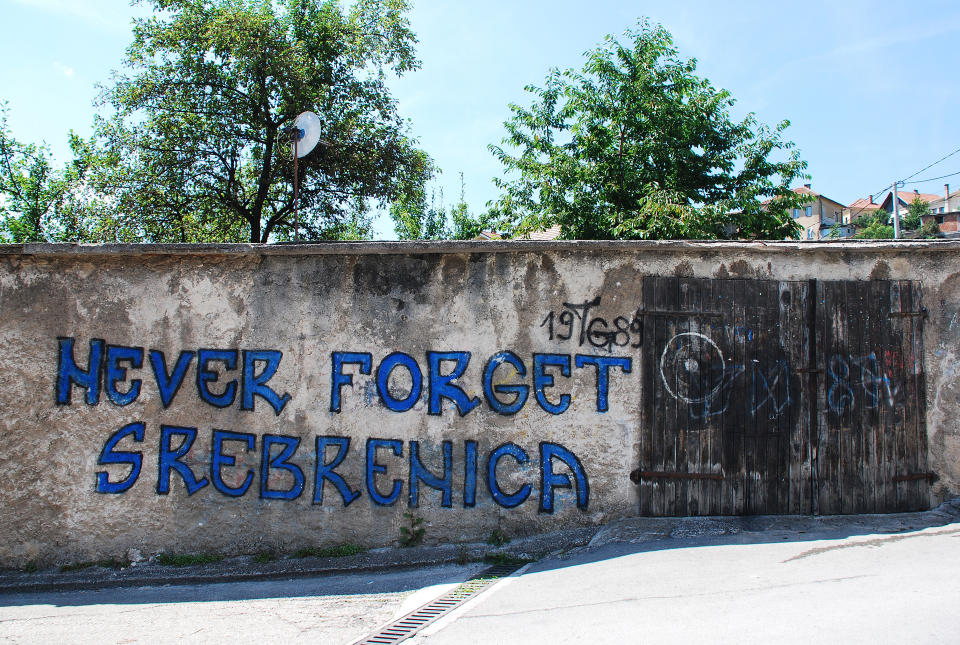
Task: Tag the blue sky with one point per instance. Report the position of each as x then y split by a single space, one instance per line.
869 87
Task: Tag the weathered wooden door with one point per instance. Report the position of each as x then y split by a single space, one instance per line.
722 427
763 396
872 445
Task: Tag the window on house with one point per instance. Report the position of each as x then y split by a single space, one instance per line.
939 219
809 233
808 211
796 213
941 209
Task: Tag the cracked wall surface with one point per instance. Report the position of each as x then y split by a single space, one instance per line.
327 391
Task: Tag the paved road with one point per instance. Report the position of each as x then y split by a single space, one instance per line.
902 588
872 579
325 610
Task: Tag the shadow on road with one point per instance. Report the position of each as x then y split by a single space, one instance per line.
335 584
615 539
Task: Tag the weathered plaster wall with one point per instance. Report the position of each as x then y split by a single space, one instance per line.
310 302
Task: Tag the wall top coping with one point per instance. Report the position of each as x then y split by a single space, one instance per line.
450 247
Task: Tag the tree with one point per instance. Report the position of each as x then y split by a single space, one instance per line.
911 221
415 219
874 227
930 230
636 145
197 149
38 202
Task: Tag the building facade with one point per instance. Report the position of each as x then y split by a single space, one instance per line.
818 215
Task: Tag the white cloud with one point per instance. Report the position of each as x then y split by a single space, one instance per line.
66 70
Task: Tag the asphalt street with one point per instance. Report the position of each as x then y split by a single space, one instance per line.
325 610
857 579
902 588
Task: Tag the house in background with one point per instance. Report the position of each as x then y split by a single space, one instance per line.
945 211
486 236
818 215
551 233
905 198
948 203
861 207
546 234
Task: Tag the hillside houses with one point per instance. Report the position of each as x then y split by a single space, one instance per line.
945 211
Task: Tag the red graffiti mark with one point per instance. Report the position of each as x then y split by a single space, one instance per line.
893 359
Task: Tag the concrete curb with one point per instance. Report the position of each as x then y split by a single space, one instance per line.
244 568
637 530
625 531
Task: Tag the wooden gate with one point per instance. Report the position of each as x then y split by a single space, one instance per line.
728 423
872 439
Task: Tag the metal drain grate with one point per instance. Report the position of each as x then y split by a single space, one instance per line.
407 626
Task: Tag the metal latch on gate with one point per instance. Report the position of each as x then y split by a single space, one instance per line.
912 477
638 475
909 314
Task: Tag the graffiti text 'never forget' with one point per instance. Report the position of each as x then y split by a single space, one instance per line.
502 378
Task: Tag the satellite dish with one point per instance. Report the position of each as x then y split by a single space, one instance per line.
306 133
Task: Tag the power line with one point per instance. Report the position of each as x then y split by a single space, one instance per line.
906 180
902 182
931 165
874 194
921 181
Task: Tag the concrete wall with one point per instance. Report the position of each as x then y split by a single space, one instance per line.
311 330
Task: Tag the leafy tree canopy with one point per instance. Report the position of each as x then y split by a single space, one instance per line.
636 145
929 230
39 202
197 148
873 226
417 219
911 221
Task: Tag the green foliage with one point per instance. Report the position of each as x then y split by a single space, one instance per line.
634 145
929 230
187 559
504 558
876 230
39 203
339 551
414 532
911 221
497 538
866 219
264 557
873 225
197 148
836 231
415 219
465 225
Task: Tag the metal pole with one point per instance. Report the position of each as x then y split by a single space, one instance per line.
896 211
296 187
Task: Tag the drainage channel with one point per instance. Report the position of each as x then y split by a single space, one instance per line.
406 626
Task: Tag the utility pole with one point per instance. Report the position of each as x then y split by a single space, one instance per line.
896 210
